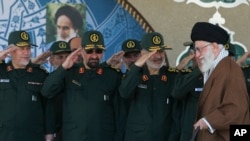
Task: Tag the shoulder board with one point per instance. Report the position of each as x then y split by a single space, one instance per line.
43 69
245 66
171 69
186 70
116 69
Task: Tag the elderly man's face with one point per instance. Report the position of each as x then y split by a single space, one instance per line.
65 30
204 55
157 60
57 59
21 56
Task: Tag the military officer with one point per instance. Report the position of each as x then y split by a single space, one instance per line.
148 85
23 110
186 91
60 50
91 103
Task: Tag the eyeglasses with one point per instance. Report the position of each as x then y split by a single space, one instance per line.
199 49
97 51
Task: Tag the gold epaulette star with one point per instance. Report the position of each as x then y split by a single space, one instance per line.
171 69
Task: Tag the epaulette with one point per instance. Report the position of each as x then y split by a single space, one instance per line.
171 69
245 66
116 69
1 61
187 70
43 69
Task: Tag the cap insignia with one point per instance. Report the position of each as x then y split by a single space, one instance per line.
130 44
156 40
24 36
226 46
94 38
62 45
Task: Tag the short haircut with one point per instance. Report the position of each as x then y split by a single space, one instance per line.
72 13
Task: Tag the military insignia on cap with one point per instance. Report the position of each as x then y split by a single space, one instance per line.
156 40
164 78
62 45
24 36
81 70
144 77
99 71
226 46
94 38
130 44
29 69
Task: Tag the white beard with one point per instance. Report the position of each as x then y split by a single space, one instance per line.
207 61
152 65
73 34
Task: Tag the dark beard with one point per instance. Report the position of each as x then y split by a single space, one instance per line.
93 64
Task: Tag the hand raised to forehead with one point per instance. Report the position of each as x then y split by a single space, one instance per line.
42 58
144 57
115 59
71 59
5 53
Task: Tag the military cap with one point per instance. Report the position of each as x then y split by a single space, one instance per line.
231 49
93 39
20 38
60 46
209 32
153 41
190 44
131 45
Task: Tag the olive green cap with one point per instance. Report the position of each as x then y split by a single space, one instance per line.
93 39
20 38
131 45
60 46
153 41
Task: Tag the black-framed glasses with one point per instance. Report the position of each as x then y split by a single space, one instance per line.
97 51
199 49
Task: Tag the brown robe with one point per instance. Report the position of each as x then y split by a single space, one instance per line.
224 101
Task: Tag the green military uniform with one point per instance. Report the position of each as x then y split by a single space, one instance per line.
92 107
149 116
188 87
22 107
24 112
246 71
57 48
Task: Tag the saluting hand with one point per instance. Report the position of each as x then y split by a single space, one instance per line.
5 53
116 60
71 59
144 57
42 58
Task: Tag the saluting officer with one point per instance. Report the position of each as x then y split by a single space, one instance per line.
186 91
23 110
91 103
148 85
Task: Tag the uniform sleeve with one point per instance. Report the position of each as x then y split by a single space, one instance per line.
183 84
120 109
50 116
54 83
130 82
